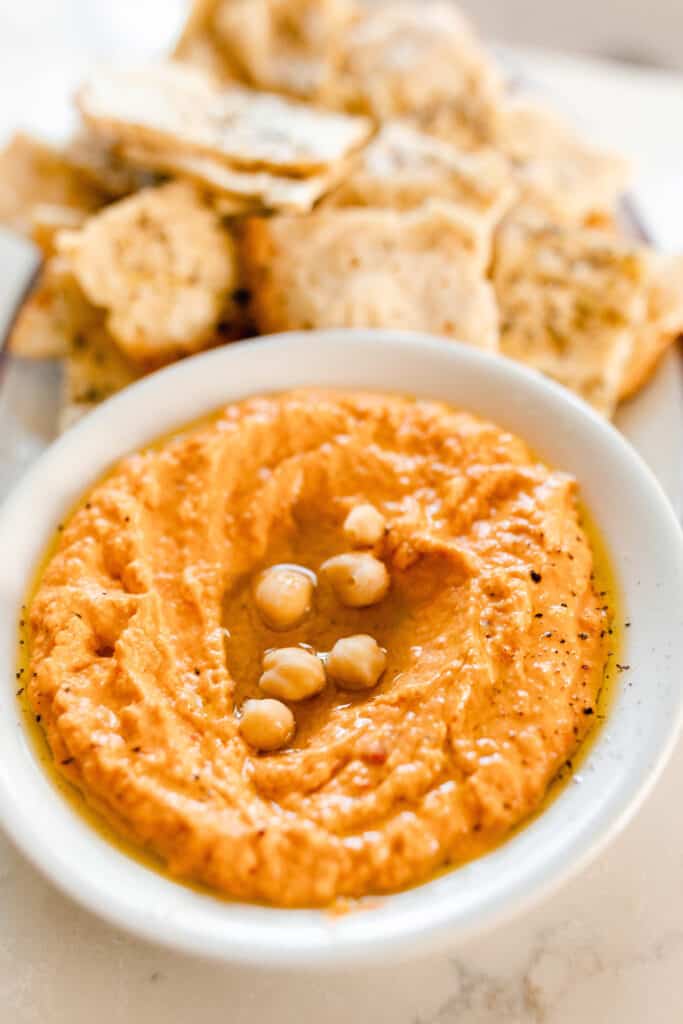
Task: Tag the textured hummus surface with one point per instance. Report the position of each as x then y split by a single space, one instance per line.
145 642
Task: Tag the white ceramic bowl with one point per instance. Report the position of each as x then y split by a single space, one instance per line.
646 548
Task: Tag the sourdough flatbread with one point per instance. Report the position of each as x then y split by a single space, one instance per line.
570 181
247 189
277 45
404 168
93 370
47 220
572 302
161 266
181 108
369 268
32 172
663 325
97 162
53 316
421 60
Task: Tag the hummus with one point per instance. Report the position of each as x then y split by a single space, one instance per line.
146 643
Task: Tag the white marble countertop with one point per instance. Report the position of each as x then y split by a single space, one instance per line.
608 947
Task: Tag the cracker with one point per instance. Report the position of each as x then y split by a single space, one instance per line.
97 162
180 108
570 181
161 266
663 325
571 302
280 45
252 188
202 51
421 60
403 168
94 369
53 316
369 268
48 219
32 172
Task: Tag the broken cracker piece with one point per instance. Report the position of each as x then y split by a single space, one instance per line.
179 108
162 267
94 369
370 268
568 180
404 168
663 326
280 45
250 188
419 60
33 172
571 302
98 163
48 219
55 313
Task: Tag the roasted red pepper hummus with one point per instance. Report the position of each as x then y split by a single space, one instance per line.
147 643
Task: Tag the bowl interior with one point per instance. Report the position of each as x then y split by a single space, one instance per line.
646 550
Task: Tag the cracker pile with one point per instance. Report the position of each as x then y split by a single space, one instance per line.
298 164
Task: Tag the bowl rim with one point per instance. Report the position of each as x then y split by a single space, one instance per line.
260 935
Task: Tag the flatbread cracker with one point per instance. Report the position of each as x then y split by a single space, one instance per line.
570 181
180 108
571 302
53 316
49 219
161 266
420 60
663 326
279 45
369 268
253 188
94 369
404 168
98 163
32 172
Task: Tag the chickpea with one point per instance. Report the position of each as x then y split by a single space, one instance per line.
364 526
358 579
283 596
356 662
266 724
292 673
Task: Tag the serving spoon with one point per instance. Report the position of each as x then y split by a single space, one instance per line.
20 264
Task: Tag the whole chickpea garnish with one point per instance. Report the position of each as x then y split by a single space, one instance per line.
283 596
358 579
356 662
291 673
266 724
364 526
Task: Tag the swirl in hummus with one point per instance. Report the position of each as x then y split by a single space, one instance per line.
146 643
